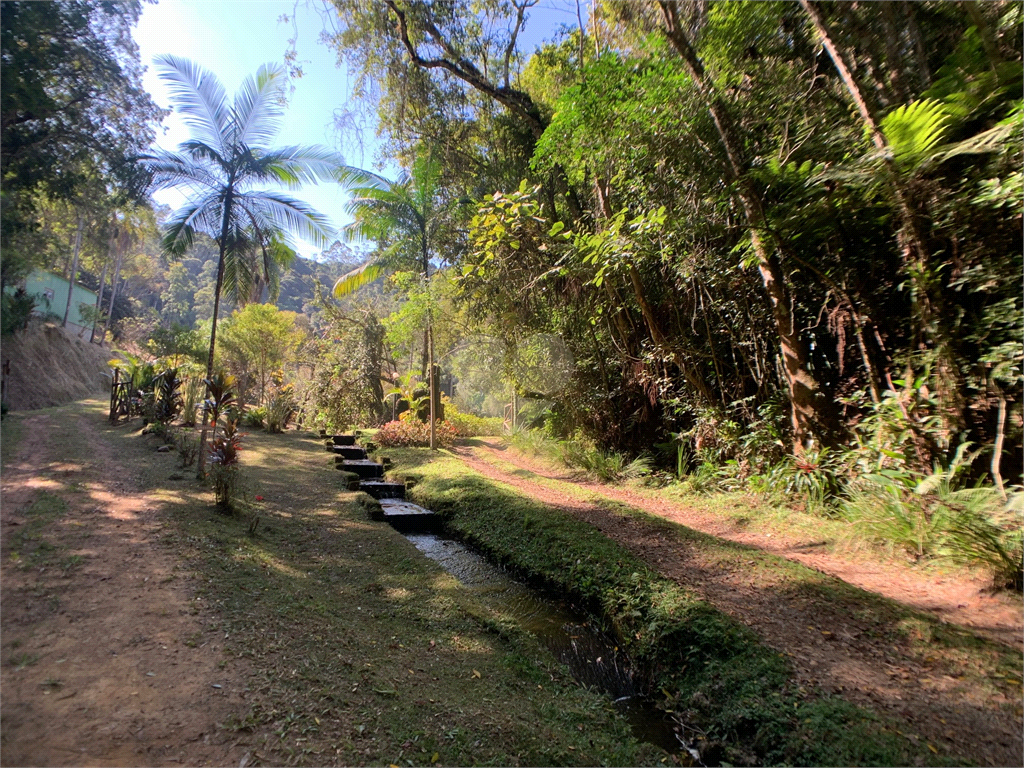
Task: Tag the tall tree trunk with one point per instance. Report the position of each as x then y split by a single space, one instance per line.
432 388
928 293
121 247
74 269
103 284
809 414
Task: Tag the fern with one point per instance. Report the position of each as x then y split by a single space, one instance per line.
915 130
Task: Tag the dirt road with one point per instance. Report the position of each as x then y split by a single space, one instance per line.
106 658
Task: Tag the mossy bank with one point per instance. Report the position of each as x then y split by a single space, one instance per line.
710 670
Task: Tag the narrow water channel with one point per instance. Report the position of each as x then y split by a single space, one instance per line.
566 632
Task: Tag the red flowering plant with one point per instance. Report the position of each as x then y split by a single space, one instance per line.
223 461
412 432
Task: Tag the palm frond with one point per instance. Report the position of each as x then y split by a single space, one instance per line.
257 111
992 140
350 177
199 97
173 169
270 211
914 130
298 165
357 278
239 276
201 215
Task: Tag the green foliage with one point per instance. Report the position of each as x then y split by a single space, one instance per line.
73 105
345 387
410 392
223 461
256 341
255 418
15 310
469 425
192 394
168 396
933 515
188 448
177 343
219 397
280 409
600 464
815 478
914 130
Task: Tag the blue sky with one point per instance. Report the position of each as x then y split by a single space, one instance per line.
233 37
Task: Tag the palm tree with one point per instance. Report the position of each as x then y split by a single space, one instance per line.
404 218
226 166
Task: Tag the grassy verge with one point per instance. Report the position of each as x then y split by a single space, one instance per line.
10 436
712 670
362 651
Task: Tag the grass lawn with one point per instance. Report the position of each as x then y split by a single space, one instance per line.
363 651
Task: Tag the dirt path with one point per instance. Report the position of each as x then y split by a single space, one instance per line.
107 659
833 646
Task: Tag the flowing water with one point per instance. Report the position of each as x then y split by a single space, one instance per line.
590 655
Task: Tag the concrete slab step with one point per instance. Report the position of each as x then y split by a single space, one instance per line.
349 452
365 468
406 516
383 489
344 439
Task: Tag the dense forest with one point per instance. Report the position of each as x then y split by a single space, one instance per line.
737 238
764 227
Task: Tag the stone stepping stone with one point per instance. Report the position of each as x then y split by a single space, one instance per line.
343 439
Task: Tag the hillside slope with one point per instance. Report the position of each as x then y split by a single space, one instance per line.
50 367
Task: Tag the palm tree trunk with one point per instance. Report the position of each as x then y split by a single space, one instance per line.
201 460
74 269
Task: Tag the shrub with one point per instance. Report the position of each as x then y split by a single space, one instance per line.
280 410
813 476
188 448
929 515
533 442
16 309
601 464
223 461
468 425
255 418
192 393
168 398
411 432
